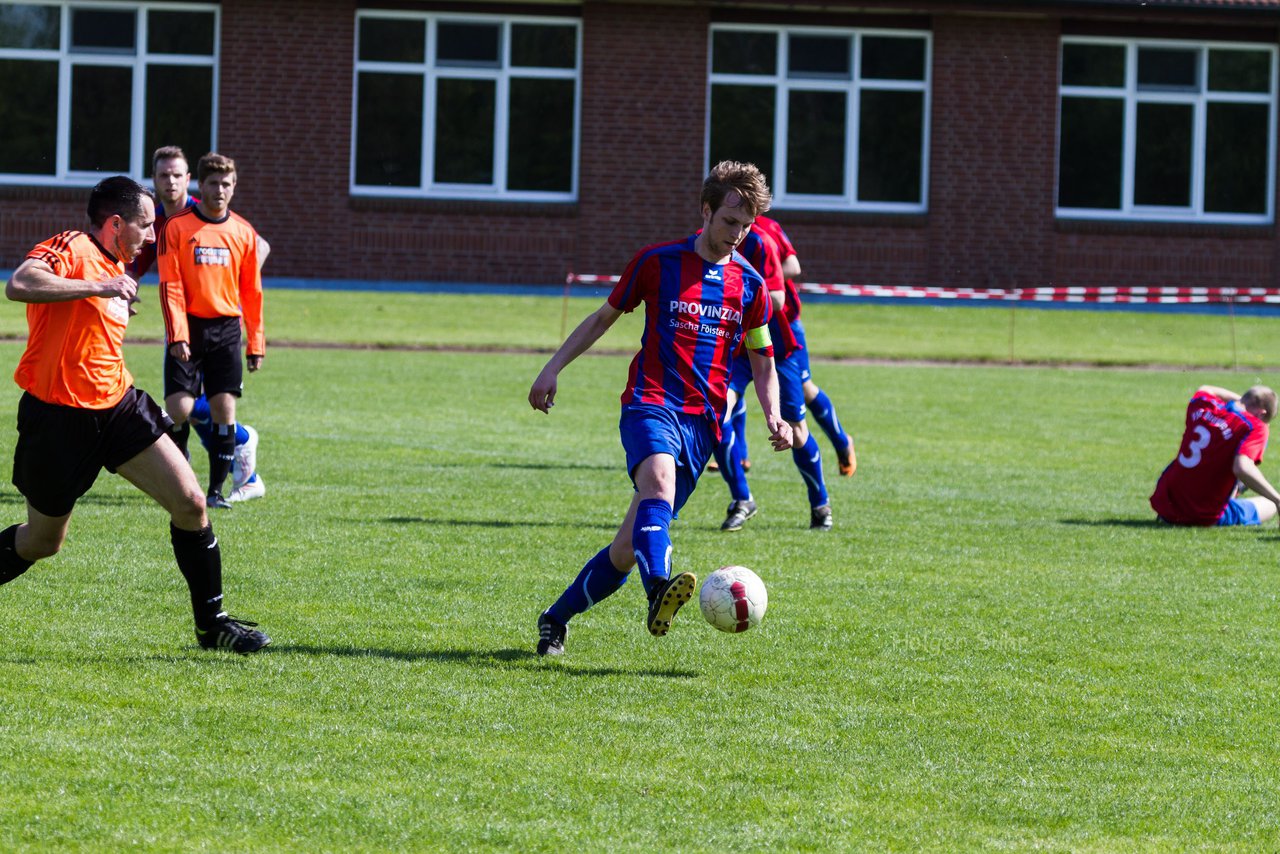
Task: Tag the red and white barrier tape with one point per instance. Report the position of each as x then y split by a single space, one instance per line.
1139 294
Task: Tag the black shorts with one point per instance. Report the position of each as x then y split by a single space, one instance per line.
215 367
61 449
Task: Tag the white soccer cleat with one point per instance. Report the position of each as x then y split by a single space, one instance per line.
257 489
245 461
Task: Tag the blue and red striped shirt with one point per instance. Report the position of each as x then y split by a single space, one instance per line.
696 314
762 252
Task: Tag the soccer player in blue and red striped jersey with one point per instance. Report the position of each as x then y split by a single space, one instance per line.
703 303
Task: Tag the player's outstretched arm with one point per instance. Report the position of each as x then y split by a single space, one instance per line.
542 394
765 377
1219 392
1248 473
35 281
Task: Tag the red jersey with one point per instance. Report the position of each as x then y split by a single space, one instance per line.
762 251
771 227
1194 489
74 355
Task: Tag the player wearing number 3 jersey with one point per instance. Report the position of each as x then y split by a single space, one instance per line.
1222 445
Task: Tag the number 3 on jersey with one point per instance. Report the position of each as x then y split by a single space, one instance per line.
1191 458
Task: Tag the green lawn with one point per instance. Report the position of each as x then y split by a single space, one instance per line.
995 648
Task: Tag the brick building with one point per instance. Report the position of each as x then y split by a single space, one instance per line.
984 144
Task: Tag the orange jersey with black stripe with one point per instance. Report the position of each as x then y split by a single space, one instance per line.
209 268
74 353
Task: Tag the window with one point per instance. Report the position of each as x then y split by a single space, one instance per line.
471 107
89 90
1166 131
837 119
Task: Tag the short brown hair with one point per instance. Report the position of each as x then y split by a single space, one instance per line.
168 152
730 176
1262 397
214 163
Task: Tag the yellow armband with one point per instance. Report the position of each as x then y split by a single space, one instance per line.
759 338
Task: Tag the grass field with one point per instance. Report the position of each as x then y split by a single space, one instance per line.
996 647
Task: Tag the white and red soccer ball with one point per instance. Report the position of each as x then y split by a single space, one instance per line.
733 599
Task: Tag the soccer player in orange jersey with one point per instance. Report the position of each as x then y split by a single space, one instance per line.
209 279
80 412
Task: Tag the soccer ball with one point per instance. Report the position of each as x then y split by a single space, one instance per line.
733 599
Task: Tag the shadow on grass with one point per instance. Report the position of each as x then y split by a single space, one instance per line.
1118 522
123 500
483 523
486 657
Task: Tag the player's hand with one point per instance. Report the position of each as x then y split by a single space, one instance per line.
254 362
542 394
136 299
181 351
122 286
780 435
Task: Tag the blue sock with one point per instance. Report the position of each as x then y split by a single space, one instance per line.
242 435
201 418
597 580
651 539
731 465
824 412
740 430
809 460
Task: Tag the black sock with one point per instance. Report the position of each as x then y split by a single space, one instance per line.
180 434
11 565
222 452
200 561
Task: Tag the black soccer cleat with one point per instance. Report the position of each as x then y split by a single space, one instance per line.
231 633
215 501
737 515
550 635
667 599
820 518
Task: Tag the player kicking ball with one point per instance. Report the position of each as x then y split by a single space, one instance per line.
703 302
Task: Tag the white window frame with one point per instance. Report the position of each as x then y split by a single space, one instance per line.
853 88
502 76
1199 100
139 61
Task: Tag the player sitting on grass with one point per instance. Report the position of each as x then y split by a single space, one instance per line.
1222 445
703 302
246 483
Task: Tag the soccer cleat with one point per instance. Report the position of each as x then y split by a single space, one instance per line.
820 518
232 633
215 501
667 599
253 489
245 462
848 460
738 514
550 635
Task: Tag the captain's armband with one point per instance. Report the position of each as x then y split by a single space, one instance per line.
759 338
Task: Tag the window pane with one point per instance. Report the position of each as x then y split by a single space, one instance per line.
467 44
742 123
885 58
889 149
1167 68
101 113
180 32
744 52
1092 65
816 143
179 109
389 130
464 131
820 56
392 40
543 47
1235 178
1162 156
1090 153
1240 70
103 31
540 142
25 26
27 89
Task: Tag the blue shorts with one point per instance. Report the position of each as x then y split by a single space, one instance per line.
793 371
740 374
1240 513
647 429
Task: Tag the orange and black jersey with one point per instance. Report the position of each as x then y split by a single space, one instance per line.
74 353
209 268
